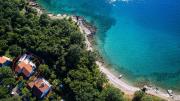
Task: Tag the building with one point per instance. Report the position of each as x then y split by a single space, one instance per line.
40 87
25 66
5 61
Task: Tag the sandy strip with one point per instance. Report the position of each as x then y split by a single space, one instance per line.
116 81
127 88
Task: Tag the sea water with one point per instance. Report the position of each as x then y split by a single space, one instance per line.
140 38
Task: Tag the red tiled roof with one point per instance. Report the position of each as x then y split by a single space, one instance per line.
18 68
27 68
41 85
2 60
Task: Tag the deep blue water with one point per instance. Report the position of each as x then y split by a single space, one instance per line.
140 38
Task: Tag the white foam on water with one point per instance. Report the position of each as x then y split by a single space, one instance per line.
114 1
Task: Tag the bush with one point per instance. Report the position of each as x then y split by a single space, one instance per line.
15 50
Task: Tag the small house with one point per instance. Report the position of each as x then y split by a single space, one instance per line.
26 69
40 87
5 61
25 66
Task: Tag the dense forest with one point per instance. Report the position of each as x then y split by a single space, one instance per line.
65 62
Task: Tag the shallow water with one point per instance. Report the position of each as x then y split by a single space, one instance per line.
140 38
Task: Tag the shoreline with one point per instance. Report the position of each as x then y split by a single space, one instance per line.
88 32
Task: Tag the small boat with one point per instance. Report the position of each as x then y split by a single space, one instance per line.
170 92
120 76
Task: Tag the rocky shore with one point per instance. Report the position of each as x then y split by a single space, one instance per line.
78 19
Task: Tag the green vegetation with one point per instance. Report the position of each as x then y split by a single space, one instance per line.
7 82
141 96
15 98
65 63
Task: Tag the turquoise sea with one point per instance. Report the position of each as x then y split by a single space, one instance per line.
139 38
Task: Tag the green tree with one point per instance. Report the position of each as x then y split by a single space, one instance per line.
82 85
14 98
142 96
73 56
44 70
7 81
15 50
111 94
3 92
3 46
26 92
6 72
138 95
76 38
44 20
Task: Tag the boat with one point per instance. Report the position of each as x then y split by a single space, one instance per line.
170 92
120 76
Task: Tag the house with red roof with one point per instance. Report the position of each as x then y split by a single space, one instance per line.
40 87
5 61
25 66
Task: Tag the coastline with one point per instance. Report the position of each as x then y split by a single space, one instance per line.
113 79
